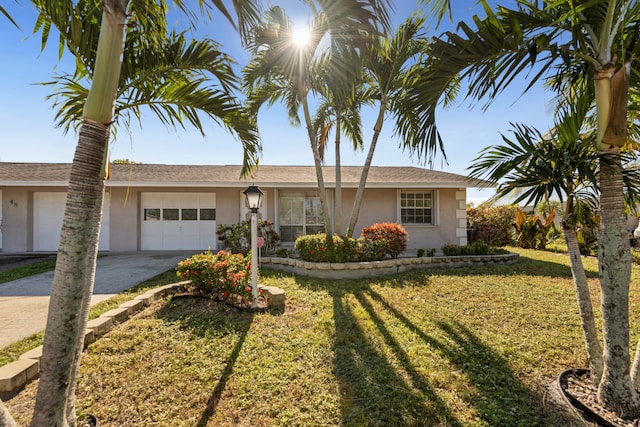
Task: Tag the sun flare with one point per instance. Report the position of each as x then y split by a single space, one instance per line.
301 35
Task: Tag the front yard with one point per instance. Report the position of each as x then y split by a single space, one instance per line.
462 347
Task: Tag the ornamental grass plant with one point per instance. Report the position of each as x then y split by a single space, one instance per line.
472 346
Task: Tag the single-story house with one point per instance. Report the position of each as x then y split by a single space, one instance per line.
178 207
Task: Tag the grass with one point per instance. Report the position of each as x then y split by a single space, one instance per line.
474 346
13 351
26 270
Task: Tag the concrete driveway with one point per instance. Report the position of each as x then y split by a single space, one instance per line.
24 302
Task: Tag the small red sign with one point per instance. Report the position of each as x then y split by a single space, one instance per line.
260 242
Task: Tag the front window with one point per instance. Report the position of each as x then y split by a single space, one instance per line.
300 214
417 207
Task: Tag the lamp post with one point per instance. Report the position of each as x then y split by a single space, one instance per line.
253 197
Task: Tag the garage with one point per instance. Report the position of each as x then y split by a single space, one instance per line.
47 221
178 221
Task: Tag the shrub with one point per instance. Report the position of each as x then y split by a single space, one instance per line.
475 248
394 234
492 225
531 232
587 240
431 252
283 253
223 275
236 238
452 250
316 248
420 253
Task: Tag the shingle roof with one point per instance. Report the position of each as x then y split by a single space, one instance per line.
55 174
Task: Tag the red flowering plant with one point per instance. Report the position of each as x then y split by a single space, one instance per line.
393 234
223 275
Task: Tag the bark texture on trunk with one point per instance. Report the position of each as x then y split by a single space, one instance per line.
585 306
616 390
338 202
313 141
357 203
6 420
73 281
635 368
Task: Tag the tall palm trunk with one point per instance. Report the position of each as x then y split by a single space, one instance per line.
6 420
313 140
338 201
616 390
73 281
76 263
357 203
594 350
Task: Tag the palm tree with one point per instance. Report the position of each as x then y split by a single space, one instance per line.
338 111
99 51
182 80
575 41
6 14
539 167
281 70
389 66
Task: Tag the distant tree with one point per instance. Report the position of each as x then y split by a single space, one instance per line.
125 162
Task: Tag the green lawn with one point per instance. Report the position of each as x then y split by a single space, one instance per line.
461 347
12 352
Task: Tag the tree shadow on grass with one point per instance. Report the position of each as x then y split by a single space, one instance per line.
222 319
373 391
500 397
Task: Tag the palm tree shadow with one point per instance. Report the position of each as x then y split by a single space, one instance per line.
216 394
500 397
202 323
373 391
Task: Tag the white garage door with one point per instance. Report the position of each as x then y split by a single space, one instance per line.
47 221
178 221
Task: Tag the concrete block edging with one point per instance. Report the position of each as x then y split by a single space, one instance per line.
365 270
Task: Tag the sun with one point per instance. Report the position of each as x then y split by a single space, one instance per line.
301 35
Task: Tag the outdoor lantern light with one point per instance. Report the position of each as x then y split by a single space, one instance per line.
253 197
254 201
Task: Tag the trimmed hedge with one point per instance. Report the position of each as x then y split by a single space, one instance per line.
319 248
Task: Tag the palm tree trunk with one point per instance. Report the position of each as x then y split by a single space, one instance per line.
338 201
594 350
616 391
635 368
73 281
6 420
76 262
313 140
357 203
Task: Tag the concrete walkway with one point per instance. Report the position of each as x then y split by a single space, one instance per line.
24 303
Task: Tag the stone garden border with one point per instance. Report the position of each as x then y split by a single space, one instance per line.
364 270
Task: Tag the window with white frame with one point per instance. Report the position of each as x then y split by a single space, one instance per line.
300 213
417 207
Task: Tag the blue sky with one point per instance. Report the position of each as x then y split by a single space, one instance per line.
28 133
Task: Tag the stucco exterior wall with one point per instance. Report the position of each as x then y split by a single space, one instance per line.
379 205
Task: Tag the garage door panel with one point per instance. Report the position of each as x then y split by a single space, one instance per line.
47 221
179 226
